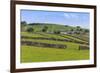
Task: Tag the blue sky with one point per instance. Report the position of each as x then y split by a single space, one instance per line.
64 18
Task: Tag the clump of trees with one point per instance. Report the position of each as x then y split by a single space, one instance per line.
25 28
86 30
72 29
23 25
57 32
30 29
45 29
80 30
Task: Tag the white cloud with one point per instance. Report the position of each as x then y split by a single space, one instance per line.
66 15
74 15
71 15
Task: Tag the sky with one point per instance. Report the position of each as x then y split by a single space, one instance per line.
56 17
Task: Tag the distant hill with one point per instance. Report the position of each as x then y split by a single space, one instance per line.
51 27
38 27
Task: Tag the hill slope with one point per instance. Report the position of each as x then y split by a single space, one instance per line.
51 27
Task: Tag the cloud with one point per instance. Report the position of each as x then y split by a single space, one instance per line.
67 15
71 15
74 15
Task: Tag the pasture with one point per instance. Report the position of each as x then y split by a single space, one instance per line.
40 53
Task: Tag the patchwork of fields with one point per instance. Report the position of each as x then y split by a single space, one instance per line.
43 47
54 35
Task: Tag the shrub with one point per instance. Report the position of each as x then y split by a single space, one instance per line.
45 29
30 29
57 32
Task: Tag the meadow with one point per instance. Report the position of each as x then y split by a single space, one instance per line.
51 35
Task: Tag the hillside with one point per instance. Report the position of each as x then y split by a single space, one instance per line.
51 27
42 42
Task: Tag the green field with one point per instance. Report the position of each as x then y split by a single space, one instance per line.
31 53
38 54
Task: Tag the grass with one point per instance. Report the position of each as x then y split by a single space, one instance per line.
70 45
73 38
39 54
84 37
51 27
43 54
31 34
46 35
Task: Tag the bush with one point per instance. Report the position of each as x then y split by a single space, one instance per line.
23 25
57 32
45 29
30 29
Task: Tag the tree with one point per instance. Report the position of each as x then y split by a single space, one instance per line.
78 28
72 29
30 29
23 23
81 29
86 30
23 26
66 25
57 32
45 29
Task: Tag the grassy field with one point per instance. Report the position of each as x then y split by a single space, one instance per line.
38 54
43 54
52 27
30 53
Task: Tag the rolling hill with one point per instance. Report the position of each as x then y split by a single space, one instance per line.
40 46
51 27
